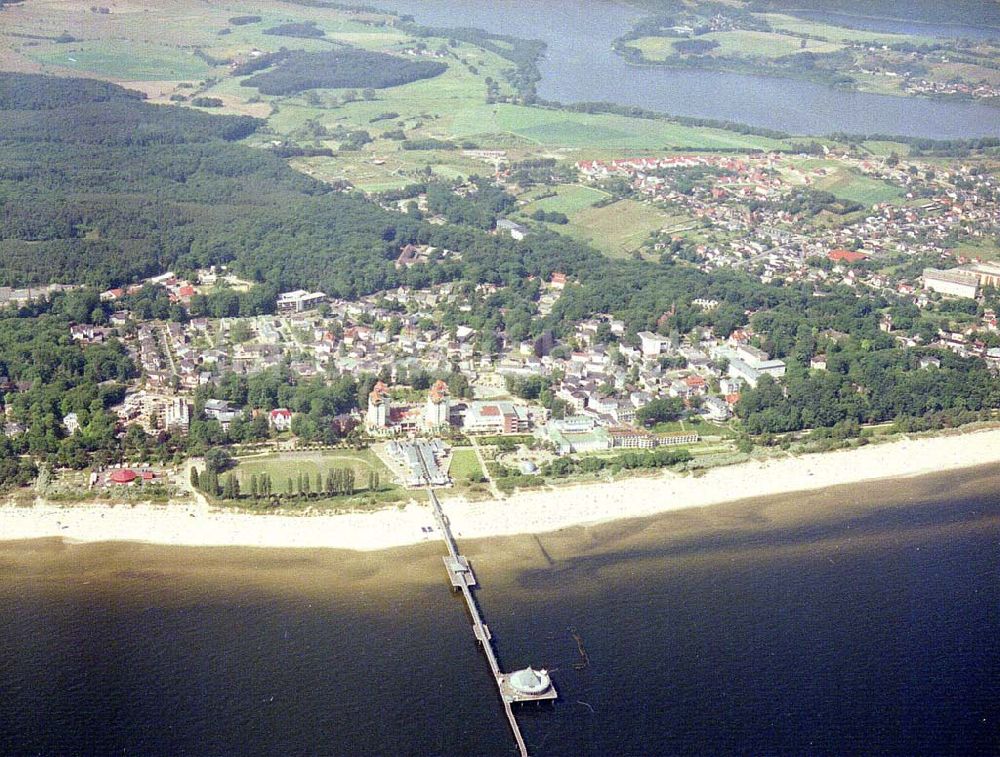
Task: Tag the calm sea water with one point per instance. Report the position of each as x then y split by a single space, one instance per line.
580 66
810 625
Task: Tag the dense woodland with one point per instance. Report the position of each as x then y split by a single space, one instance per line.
298 71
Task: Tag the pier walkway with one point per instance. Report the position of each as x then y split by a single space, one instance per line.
463 579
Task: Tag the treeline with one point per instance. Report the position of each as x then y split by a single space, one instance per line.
299 71
338 482
306 30
922 146
661 457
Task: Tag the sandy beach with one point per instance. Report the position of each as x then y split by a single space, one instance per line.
530 512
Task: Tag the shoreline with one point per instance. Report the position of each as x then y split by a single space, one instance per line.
534 512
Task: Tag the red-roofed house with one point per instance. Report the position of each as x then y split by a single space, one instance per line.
846 256
280 419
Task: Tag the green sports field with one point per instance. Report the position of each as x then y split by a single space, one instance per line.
287 465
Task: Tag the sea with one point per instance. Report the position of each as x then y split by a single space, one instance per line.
862 619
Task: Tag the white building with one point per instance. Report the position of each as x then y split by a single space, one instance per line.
177 415
653 344
280 419
299 300
955 282
438 406
377 417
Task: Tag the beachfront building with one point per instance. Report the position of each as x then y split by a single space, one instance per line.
422 460
495 418
437 407
579 433
377 417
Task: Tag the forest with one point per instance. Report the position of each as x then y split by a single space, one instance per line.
299 71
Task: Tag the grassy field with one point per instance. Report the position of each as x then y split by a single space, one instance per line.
124 62
617 229
569 199
287 465
838 33
555 128
465 465
851 186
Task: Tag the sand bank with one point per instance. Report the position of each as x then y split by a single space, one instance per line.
531 512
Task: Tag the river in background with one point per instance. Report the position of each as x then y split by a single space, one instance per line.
580 66
860 620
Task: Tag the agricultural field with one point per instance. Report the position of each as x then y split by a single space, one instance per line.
287 465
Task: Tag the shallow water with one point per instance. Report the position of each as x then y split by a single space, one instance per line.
858 620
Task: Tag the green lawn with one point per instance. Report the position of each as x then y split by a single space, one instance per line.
465 466
287 465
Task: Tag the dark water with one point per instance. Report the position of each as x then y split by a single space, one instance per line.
900 26
580 66
816 625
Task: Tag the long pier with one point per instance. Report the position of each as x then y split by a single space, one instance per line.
463 579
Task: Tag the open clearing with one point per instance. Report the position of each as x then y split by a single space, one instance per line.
617 229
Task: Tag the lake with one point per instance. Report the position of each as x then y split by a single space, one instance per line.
900 26
860 620
580 66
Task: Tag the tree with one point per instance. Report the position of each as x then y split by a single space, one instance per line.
218 460
661 410
194 477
